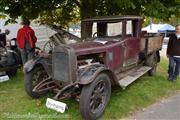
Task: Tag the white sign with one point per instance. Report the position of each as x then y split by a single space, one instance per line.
56 105
4 78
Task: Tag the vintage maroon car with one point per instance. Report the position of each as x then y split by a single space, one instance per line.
113 51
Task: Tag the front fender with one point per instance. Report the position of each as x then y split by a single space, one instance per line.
46 63
88 74
29 65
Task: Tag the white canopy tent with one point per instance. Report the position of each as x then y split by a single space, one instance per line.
155 28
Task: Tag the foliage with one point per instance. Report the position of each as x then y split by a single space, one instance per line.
2 16
63 12
154 20
60 17
174 20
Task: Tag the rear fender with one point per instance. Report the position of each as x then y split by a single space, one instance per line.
88 74
28 67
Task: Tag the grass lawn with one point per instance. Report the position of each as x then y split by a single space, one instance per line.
15 103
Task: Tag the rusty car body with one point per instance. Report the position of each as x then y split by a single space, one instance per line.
112 51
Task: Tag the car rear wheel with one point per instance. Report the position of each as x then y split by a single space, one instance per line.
152 62
12 72
95 96
32 78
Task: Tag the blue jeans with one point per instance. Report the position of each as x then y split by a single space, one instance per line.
27 55
174 67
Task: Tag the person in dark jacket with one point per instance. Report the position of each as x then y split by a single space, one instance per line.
26 40
3 38
173 53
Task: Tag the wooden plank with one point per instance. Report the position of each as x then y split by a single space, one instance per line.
154 44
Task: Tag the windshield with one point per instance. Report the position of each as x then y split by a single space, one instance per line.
64 37
60 37
107 29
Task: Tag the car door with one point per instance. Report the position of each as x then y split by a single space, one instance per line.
132 44
115 56
131 51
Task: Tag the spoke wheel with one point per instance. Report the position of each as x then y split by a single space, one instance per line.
48 46
95 96
97 99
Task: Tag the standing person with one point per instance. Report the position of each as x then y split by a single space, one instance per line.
26 40
7 31
173 53
3 38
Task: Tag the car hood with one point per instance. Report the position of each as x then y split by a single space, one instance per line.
90 47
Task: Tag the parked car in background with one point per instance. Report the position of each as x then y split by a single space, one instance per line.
10 58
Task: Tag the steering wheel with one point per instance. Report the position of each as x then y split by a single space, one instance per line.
100 33
49 45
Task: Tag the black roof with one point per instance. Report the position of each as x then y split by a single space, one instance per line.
112 18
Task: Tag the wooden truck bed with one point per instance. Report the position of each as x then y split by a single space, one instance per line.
150 44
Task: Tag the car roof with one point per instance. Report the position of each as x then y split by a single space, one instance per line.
112 18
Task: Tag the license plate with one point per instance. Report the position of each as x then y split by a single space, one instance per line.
13 43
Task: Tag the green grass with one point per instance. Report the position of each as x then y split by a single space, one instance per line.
14 102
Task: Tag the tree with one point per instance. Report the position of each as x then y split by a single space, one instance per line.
63 12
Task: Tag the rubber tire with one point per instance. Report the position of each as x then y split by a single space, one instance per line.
28 85
12 72
152 62
86 94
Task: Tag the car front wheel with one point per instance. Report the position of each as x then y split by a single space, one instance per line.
95 96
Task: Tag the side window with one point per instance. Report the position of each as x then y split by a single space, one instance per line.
132 28
129 29
94 29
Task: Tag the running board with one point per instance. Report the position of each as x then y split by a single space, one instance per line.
124 82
